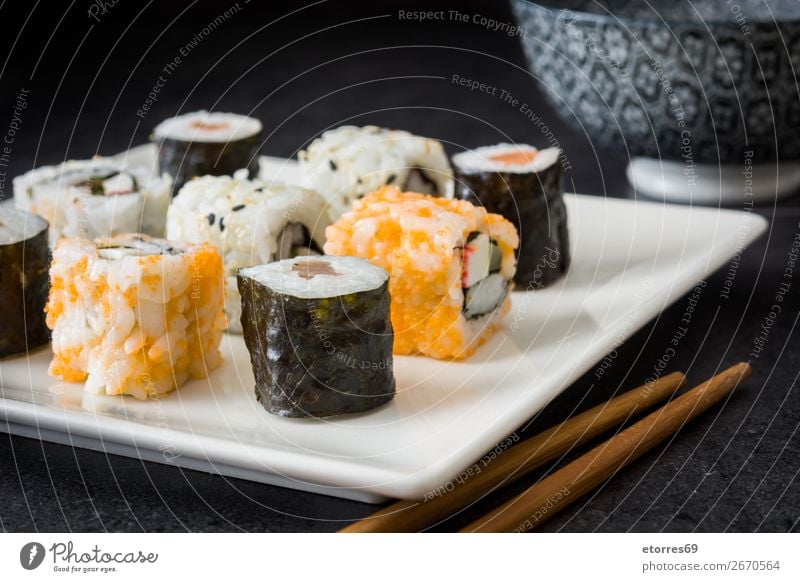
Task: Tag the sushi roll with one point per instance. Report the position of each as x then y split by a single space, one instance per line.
250 222
450 265
319 335
526 186
202 143
24 256
133 314
346 163
95 198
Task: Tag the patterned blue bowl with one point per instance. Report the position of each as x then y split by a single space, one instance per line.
713 81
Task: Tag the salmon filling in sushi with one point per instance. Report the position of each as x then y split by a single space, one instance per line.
450 267
134 315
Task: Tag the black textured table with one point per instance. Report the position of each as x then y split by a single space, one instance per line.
86 81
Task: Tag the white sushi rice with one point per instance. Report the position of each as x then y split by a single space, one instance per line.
244 220
202 126
346 275
60 195
480 159
348 162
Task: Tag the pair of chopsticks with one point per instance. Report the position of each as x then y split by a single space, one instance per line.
556 492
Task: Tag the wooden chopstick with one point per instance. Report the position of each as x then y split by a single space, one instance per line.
407 516
551 495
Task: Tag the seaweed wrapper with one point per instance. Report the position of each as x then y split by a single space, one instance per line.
534 203
184 160
318 357
24 285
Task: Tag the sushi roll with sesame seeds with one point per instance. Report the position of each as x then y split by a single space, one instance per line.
450 267
24 256
525 185
202 143
346 163
250 222
94 198
319 334
133 314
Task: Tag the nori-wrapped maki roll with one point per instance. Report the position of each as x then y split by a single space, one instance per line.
23 281
203 143
526 186
319 334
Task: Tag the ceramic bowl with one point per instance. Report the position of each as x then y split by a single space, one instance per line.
707 81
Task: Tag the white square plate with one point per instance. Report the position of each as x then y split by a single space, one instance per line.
631 260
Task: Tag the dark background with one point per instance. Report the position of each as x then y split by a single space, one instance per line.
734 469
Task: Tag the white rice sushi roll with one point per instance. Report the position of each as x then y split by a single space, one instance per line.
95 198
346 163
134 315
202 143
250 222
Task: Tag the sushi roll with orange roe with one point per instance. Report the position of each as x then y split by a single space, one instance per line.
450 265
133 314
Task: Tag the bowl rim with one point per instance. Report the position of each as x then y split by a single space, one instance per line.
582 15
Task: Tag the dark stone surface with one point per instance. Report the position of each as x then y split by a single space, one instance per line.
734 469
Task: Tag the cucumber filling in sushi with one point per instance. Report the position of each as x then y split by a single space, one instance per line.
100 180
484 287
112 184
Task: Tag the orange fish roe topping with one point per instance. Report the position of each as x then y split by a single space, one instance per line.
138 325
419 240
